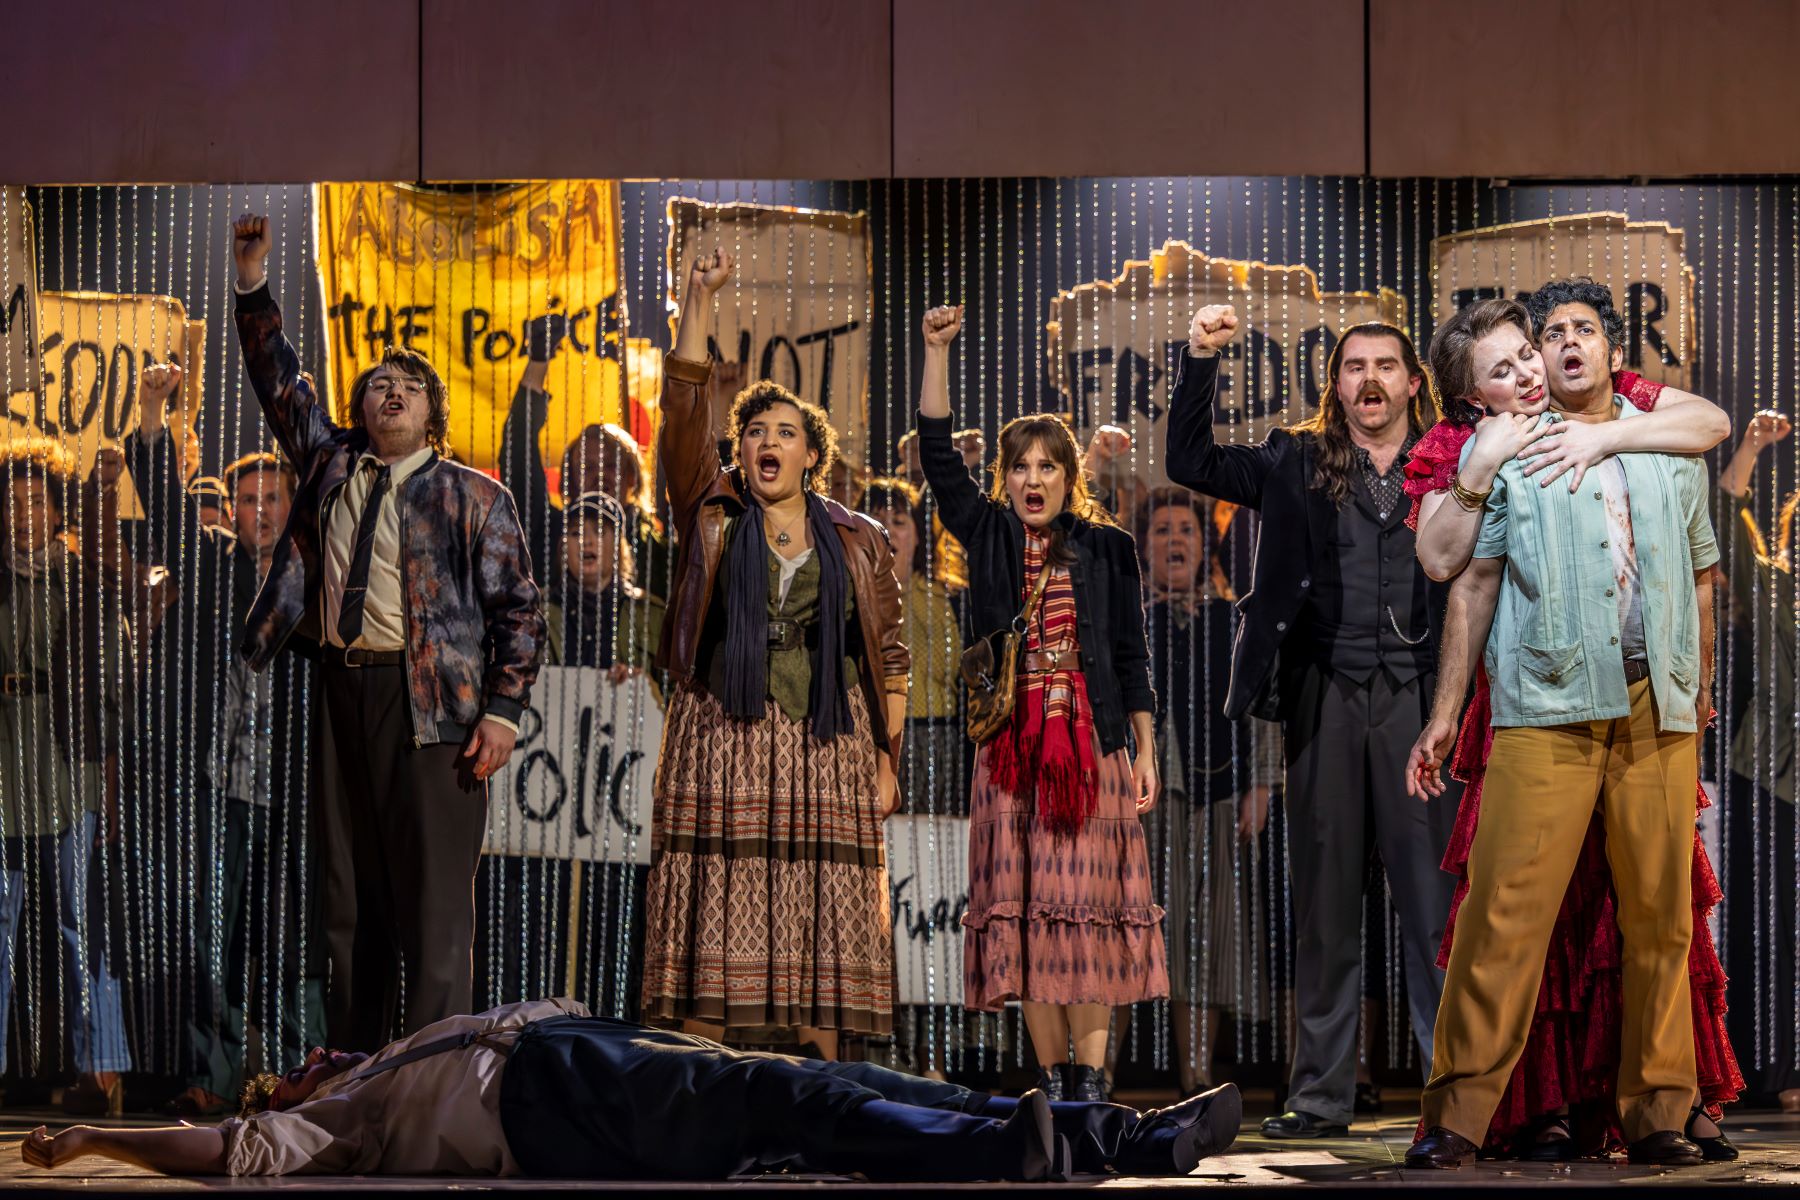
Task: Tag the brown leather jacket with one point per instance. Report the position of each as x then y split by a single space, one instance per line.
706 497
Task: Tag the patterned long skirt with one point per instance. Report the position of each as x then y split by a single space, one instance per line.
767 904
1070 920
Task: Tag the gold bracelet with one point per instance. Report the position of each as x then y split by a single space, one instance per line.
1472 501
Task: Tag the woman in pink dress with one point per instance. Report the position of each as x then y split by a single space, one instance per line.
1487 368
1062 913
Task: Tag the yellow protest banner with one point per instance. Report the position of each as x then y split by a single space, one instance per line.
93 349
458 275
1112 341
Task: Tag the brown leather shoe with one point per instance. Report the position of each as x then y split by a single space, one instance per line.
1665 1148
1440 1149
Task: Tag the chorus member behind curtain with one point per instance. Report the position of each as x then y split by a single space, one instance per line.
1599 661
601 458
541 1088
1062 915
1559 1099
1218 776
1336 643
596 613
768 896
933 575
1760 817
412 574
64 645
250 809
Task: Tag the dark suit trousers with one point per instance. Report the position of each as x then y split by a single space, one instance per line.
1347 745
401 833
595 1098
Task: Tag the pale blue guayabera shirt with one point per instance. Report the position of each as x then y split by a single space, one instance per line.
1554 655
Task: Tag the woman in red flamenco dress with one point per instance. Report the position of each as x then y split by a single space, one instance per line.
1559 1102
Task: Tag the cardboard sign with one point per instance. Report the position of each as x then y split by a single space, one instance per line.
1112 344
797 309
578 786
1643 262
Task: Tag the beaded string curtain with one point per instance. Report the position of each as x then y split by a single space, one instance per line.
1707 275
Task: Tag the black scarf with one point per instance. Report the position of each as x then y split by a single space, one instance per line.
746 580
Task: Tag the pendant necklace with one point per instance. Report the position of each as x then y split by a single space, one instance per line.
782 538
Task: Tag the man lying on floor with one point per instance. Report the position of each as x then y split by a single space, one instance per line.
545 1089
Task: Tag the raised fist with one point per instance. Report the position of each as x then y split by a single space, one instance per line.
941 326
1107 444
1766 428
974 448
710 271
1212 329
252 236
543 335
159 382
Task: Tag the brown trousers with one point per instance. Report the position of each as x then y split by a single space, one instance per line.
1540 792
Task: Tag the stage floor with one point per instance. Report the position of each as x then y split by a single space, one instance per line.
1370 1158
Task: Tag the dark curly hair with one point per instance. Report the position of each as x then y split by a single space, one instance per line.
765 394
410 362
1580 290
1453 353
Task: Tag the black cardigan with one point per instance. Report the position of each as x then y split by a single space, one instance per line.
1274 477
1109 611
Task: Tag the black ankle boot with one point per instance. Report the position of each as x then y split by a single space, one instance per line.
1088 1084
1050 1081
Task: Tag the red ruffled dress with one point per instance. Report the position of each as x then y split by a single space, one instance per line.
1571 1056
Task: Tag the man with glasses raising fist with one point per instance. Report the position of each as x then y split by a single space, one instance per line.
411 575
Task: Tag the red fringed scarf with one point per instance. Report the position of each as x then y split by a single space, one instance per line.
1047 751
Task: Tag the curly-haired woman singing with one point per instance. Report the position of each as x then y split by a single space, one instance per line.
767 904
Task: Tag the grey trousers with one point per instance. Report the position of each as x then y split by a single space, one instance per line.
1346 761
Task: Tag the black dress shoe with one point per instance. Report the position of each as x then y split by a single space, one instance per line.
1665 1148
1087 1085
1297 1124
1173 1140
1440 1149
1050 1081
1713 1149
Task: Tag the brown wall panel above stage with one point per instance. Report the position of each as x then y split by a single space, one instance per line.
1583 88
783 89
1136 87
209 91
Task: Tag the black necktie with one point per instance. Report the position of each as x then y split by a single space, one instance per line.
356 585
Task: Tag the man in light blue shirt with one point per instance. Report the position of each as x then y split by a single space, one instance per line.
1599 661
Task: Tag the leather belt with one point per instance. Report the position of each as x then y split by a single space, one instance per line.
31 683
1042 662
1636 669
342 656
791 635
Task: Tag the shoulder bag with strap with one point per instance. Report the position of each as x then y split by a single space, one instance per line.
990 669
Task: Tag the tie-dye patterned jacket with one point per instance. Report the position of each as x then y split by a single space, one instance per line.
474 627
